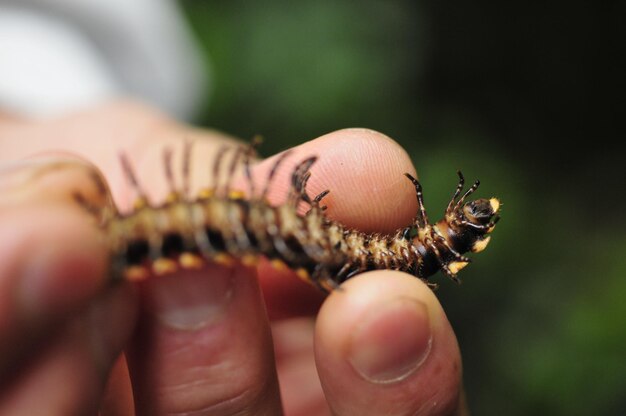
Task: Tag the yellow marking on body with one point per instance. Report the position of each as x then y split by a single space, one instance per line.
328 285
480 245
206 193
378 248
398 249
304 275
250 260
236 194
289 220
190 261
313 224
224 259
423 232
495 204
279 265
356 244
140 203
455 266
399 243
164 266
172 197
136 273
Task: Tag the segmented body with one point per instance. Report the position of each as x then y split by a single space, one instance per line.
223 227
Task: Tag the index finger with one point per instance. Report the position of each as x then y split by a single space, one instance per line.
363 169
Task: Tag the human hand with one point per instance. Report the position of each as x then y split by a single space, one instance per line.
200 342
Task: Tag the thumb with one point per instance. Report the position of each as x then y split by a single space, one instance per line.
383 345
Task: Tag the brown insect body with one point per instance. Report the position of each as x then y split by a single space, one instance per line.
223 227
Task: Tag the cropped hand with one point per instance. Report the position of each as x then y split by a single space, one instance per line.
211 341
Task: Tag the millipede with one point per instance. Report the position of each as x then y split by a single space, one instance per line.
222 225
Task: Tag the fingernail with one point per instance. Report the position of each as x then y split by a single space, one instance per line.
192 299
391 342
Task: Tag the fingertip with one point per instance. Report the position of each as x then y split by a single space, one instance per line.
383 342
363 169
369 289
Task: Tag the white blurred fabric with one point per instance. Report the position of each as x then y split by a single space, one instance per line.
60 55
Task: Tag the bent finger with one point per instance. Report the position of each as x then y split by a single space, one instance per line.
383 345
363 170
53 262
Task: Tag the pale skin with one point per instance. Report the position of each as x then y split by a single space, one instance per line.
215 341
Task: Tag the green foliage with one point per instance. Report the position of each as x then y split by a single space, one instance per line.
291 71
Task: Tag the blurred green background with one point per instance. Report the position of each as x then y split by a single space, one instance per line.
524 97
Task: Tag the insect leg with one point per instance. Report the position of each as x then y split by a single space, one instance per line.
360 263
237 217
406 233
343 272
187 168
101 206
315 203
299 179
431 285
322 280
318 198
173 194
279 160
467 193
444 266
250 153
239 151
276 236
481 227
217 164
457 192
102 214
422 219
142 199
